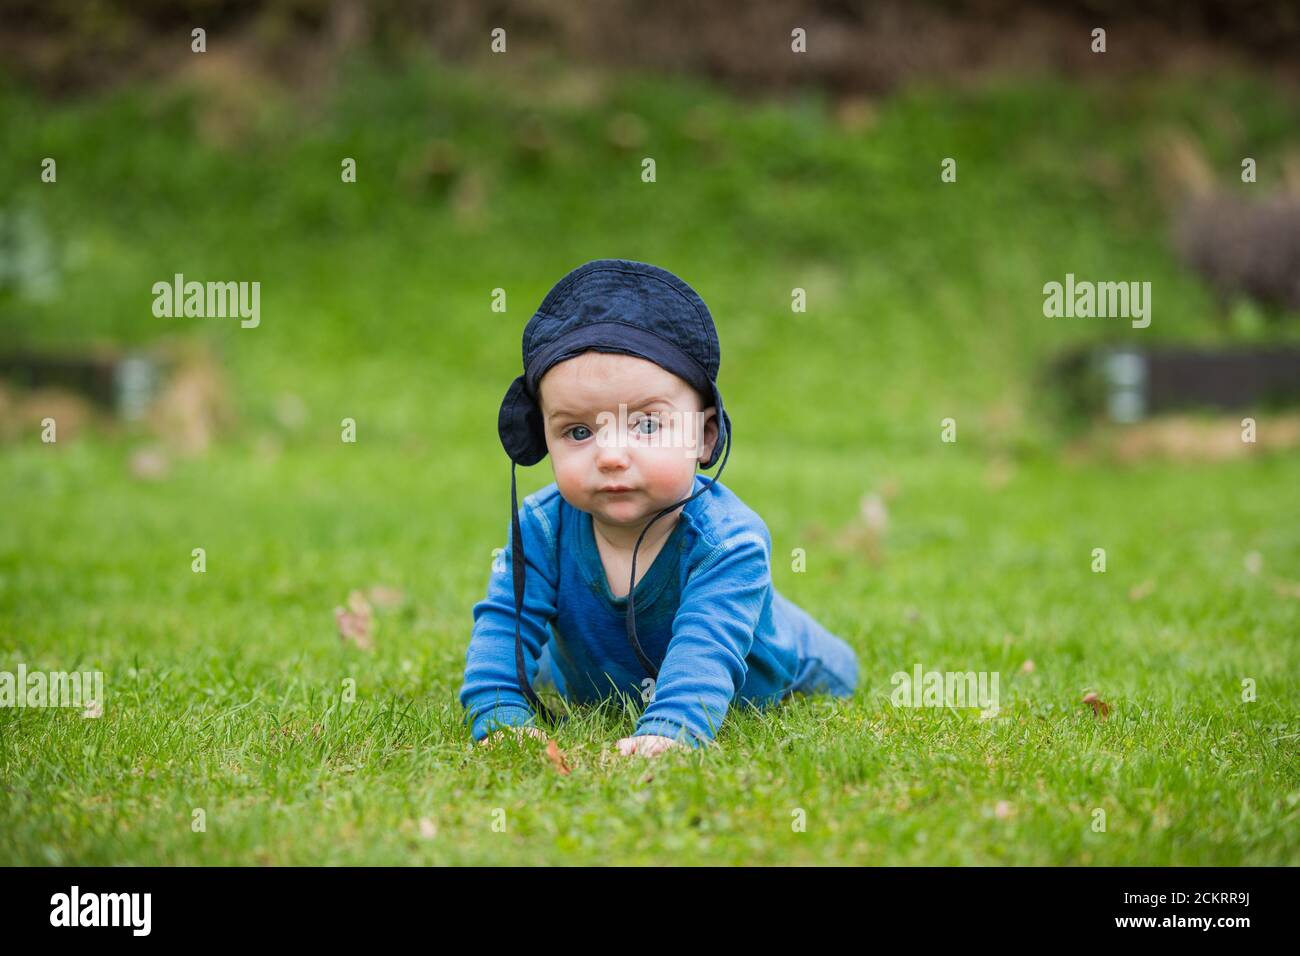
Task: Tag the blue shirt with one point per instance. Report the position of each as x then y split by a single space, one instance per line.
706 613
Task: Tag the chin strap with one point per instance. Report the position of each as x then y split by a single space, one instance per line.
631 589
517 562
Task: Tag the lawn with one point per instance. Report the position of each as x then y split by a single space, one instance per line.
230 691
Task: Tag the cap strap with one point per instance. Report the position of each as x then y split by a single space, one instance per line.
631 589
517 562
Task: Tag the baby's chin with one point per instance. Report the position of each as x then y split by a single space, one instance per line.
632 510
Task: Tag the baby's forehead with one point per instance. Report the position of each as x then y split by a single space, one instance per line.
611 376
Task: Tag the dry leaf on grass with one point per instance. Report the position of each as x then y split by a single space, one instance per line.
556 756
386 597
1140 591
867 530
356 622
1100 708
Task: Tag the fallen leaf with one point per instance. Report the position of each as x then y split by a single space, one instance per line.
1099 707
866 532
556 757
1140 591
386 597
874 513
355 623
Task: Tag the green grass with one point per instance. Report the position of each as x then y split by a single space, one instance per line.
224 688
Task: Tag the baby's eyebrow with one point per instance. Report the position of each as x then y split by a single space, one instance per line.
640 403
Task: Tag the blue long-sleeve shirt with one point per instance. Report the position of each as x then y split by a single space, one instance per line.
706 611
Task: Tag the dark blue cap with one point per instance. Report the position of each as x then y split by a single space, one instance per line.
607 305
613 305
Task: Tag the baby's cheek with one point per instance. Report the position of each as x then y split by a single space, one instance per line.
568 476
667 471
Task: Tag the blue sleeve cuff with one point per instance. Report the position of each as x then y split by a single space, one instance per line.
662 727
501 717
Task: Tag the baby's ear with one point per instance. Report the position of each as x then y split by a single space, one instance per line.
709 432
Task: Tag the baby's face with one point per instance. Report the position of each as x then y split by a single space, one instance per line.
622 472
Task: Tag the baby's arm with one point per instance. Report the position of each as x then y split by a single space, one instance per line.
712 634
491 694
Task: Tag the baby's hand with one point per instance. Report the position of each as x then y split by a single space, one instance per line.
647 745
518 732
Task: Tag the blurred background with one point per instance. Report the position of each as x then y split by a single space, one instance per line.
781 176
477 170
817 170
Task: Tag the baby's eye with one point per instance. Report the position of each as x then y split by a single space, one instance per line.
650 420
578 432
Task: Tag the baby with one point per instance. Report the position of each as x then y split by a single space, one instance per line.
635 575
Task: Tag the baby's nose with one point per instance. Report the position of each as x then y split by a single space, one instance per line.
610 452
611 457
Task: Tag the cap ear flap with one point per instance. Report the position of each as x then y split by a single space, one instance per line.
520 425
